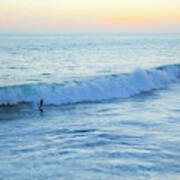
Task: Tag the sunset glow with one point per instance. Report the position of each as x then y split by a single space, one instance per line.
89 16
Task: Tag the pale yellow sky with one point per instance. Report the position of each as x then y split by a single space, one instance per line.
86 16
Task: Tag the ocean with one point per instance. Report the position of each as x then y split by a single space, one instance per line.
111 107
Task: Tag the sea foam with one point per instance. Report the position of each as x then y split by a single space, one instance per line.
97 89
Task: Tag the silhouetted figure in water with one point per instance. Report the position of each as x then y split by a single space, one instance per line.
41 105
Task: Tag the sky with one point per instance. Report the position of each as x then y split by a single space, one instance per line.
89 16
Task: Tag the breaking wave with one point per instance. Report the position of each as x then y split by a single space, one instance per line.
101 88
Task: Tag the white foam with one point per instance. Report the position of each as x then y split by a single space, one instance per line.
120 86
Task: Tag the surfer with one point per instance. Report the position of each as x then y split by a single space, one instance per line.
41 105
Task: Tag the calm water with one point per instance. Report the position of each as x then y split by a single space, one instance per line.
111 107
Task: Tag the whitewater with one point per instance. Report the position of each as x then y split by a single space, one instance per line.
104 88
111 106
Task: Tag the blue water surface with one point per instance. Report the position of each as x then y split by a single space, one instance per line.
136 136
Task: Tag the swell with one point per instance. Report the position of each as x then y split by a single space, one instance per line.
98 89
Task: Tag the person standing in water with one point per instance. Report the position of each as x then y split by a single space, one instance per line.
41 105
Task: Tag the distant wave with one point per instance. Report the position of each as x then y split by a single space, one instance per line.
102 88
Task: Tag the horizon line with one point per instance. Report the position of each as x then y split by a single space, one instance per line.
121 33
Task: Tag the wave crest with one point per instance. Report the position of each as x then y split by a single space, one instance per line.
102 88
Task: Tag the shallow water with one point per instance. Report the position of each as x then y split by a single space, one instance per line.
123 137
